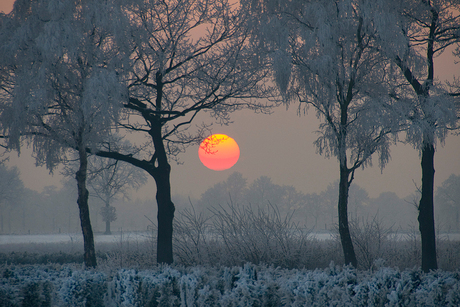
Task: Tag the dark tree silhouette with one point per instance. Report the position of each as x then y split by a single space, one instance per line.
187 57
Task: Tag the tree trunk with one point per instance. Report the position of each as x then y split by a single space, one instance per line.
159 168
161 175
107 221
344 231
426 211
107 228
88 239
165 216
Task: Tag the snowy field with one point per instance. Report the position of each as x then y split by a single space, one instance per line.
72 238
143 236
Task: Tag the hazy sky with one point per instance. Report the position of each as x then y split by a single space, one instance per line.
280 146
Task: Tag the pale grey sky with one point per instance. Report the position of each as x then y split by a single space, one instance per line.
281 146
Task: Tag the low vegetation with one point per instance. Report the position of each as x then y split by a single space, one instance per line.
234 235
234 256
248 285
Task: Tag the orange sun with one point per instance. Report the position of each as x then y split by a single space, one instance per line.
219 152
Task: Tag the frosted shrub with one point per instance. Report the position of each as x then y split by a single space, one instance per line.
237 234
371 241
84 288
37 294
248 285
124 287
192 237
448 253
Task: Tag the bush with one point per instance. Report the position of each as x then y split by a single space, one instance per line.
247 285
237 234
234 235
371 241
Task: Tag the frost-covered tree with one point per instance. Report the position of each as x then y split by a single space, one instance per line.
187 56
325 55
61 91
411 34
109 180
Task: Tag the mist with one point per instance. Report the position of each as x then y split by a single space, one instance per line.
53 211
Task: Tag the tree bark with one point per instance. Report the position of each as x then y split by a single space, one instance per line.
165 216
426 210
88 238
161 174
344 231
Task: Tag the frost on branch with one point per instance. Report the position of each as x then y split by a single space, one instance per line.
64 79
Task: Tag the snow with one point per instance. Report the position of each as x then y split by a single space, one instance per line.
143 236
72 238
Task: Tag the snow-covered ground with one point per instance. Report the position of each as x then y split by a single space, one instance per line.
143 236
73 238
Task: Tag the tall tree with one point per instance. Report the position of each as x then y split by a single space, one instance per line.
62 92
325 55
412 34
188 56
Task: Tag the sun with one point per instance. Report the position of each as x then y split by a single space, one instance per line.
219 152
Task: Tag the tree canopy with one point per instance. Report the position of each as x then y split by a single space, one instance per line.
61 91
325 54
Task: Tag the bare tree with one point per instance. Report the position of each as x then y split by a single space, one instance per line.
110 180
324 55
188 56
61 91
412 34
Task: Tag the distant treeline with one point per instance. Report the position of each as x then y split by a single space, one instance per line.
54 210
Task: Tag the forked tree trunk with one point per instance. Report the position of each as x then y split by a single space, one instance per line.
344 231
88 238
426 210
165 215
159 168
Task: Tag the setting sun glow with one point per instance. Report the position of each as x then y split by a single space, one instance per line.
219 152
